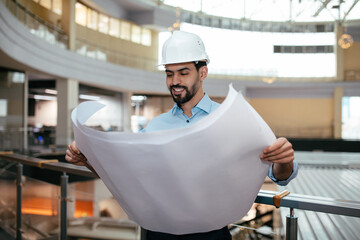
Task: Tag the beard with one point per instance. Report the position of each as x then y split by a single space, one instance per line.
189 93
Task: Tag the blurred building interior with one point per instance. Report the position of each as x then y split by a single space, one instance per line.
297 62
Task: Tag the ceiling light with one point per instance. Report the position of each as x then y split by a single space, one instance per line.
89 97
346 41
51 91
44 97
269 80
138 98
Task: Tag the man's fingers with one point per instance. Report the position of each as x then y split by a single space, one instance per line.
285 150
280 142
74 157
74 148
279 152
277 148
285 157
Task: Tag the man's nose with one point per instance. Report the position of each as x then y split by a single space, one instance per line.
176 79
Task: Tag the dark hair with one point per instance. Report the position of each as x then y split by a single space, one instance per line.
199 64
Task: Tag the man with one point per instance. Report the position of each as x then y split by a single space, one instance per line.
185 61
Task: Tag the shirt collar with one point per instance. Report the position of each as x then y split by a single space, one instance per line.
204 104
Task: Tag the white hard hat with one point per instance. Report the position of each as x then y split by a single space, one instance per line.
183 47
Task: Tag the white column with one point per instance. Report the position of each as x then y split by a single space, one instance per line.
126 106
339 55
67 100
26 106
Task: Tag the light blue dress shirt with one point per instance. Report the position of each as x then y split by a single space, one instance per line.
175 118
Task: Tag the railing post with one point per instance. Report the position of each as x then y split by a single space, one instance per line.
291 226
63 213
19 184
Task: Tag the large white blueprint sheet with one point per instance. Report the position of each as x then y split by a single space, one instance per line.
179 181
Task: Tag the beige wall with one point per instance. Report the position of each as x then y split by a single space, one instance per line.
297 117
352 62
352 57
45 114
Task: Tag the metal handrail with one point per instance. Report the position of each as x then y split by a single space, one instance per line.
296 201
58 166
312 203
292 201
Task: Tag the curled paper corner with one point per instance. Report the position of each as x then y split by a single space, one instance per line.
85 110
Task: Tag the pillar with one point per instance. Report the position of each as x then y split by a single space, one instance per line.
26 107
67 100
126 106
68 21
339 54
338 95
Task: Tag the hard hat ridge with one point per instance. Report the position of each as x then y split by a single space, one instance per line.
183 47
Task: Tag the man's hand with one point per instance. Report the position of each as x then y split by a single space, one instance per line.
281 154
74 156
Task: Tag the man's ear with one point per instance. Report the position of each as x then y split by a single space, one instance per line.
203 72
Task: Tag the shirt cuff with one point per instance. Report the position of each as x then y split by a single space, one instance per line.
286 181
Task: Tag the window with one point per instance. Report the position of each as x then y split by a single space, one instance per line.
46 3
57 6
136 34
252 53
114 27
125 30
54 5
146 37
350 118
3 107
92 19
80 14
103 23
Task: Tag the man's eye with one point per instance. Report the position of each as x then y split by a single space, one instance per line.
169 75
184 73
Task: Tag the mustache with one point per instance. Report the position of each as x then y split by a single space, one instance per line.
178 86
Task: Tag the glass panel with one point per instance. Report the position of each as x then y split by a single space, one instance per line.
114 27
46 3
146 37
103 23
350 118
80 47
3 107
136 34
92 19
7 199
12 119
125 30
80 14
57 6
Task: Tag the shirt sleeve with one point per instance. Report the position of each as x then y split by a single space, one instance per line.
286 181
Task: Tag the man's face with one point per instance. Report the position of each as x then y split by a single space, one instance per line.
183 81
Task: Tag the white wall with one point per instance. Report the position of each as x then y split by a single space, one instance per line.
109 116
45 114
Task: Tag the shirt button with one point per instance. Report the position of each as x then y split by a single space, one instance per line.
187 121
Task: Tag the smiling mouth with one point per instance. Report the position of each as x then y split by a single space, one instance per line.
177 90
